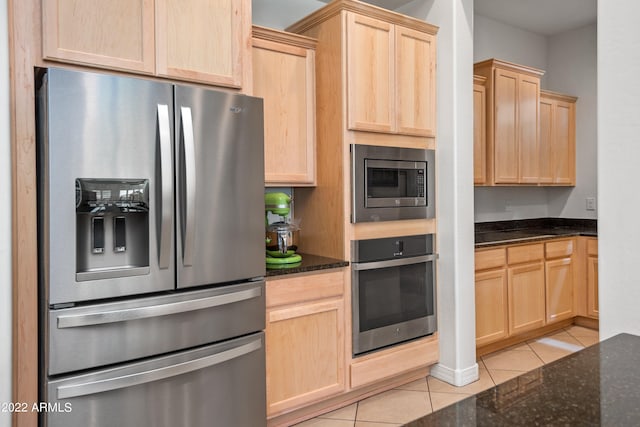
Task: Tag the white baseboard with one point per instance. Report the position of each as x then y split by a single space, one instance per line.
456 377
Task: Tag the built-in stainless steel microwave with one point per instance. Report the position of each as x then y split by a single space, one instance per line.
391 183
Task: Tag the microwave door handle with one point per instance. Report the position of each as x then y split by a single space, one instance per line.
144 377
126 314
166 186
189 212
393 262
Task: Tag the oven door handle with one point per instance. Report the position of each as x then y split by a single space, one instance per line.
393 262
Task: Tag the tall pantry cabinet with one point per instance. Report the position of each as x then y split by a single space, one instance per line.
375 85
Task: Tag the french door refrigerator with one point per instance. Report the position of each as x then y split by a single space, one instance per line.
151 253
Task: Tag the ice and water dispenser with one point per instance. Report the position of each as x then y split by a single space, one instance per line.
112 228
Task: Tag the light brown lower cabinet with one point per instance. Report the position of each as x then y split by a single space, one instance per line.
523 287
559 280
305 342
526 297
592 278
491 306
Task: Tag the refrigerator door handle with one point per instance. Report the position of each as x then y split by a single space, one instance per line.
114 316
164 130
188 217
109 384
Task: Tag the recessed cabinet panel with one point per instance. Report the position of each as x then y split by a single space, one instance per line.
201 41
416 82
479 131
491 306
370 71
528 100
559 289
506 148
526 297
284 76
114 34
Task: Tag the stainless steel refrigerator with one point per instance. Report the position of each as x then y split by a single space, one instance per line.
151 253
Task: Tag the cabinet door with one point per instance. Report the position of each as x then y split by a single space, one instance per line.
415 77
528 122
526 297
506 152
370 71
114 34
563 152
559 289
283 76
479 135
491 306
592 286
546 165
305 354
202 40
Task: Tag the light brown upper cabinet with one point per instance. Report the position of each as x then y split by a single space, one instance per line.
479 130
111 34
557 139
284 76
205 42
512 120
390 77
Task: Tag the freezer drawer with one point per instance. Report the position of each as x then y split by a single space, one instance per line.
103 334
210 386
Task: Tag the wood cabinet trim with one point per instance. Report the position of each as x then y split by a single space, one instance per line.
338 6
402 358
557 96
284 37
505 65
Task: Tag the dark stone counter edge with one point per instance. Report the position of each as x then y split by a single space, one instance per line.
309 263
497 233
533 239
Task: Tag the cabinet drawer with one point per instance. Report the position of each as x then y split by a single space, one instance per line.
559 249
304 288
525 253
592 247
492 258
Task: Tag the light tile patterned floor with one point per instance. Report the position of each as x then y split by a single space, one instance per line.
410 401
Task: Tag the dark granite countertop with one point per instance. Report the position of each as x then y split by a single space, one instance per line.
597 386
309 263
531 230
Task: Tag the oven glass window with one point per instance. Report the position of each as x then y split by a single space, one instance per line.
395 294
394 182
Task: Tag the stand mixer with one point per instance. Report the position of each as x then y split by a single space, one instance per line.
279 240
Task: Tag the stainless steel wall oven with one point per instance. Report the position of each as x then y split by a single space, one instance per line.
393 291
391 183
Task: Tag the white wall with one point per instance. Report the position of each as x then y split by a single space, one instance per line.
572 69
618 166
569 60
5 220
456 295
494 39
279 14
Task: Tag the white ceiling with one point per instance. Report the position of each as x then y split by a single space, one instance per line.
545 17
